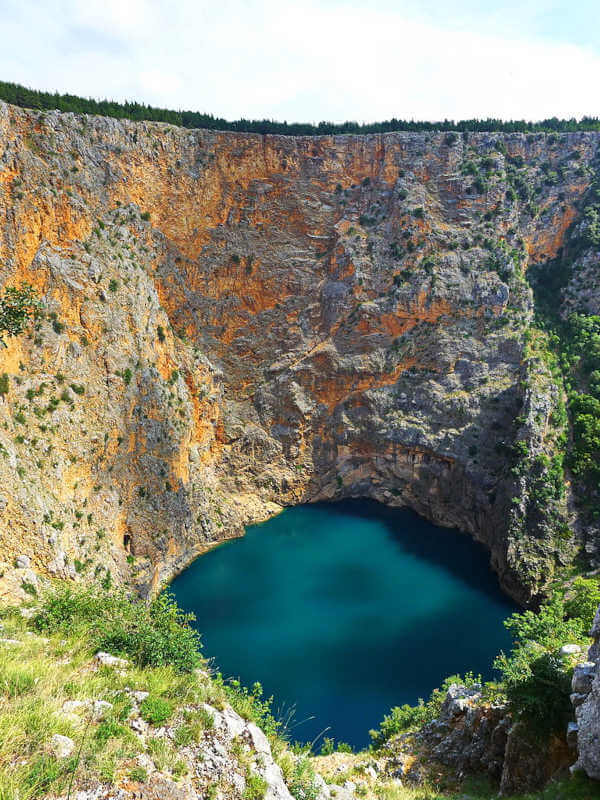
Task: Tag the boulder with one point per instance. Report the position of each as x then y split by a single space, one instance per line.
583 675
570 649
62 746
107 660
586 699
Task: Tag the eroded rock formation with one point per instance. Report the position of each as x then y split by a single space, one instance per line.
239 322
586 701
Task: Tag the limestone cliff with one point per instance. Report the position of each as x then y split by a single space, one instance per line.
239 322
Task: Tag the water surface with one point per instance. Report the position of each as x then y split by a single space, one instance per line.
344 610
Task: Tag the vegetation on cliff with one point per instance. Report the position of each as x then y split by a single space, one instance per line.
32 98
18 307
563 289
534 678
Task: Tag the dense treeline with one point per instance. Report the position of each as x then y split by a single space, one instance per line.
31 98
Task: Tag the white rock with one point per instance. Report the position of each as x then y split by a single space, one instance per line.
258 740
323 792
145 762
570 649
341 792
62 745
583 675
101 708
107 660
23 562
74 706
276 788
94 271
138 725
139 697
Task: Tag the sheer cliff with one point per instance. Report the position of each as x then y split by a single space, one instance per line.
237 322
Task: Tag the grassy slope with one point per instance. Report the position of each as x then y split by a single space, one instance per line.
38 674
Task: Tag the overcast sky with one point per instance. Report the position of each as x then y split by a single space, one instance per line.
314 59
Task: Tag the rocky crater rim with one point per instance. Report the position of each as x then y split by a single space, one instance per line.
262 321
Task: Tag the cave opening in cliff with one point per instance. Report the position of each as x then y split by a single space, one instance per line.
343 610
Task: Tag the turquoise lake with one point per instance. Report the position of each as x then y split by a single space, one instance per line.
343 610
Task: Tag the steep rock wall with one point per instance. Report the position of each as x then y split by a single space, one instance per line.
240 322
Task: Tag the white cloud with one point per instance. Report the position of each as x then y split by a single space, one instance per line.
296 61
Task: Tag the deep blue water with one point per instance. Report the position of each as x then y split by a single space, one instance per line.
344 610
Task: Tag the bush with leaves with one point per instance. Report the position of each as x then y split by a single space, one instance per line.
151 635
406 717
18 307
582 600
250 703
537 679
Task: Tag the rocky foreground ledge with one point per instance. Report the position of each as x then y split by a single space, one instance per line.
586 700
104 729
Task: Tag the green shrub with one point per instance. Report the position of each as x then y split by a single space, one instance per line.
138 774
537 680
404 718
145 215
18 307
109 729
156 710
250 704
4 384
15 682
480 184
256 787
43 772
160 332
301 781
156 635
400 719
113 285
582 600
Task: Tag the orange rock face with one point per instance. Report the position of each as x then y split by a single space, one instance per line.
238 322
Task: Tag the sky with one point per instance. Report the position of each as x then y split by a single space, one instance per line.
314 60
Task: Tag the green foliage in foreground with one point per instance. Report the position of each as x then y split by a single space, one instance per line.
31 98
158 634
404 718
536 679
39 674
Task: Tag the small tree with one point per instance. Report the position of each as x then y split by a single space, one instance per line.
537 679
18 307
